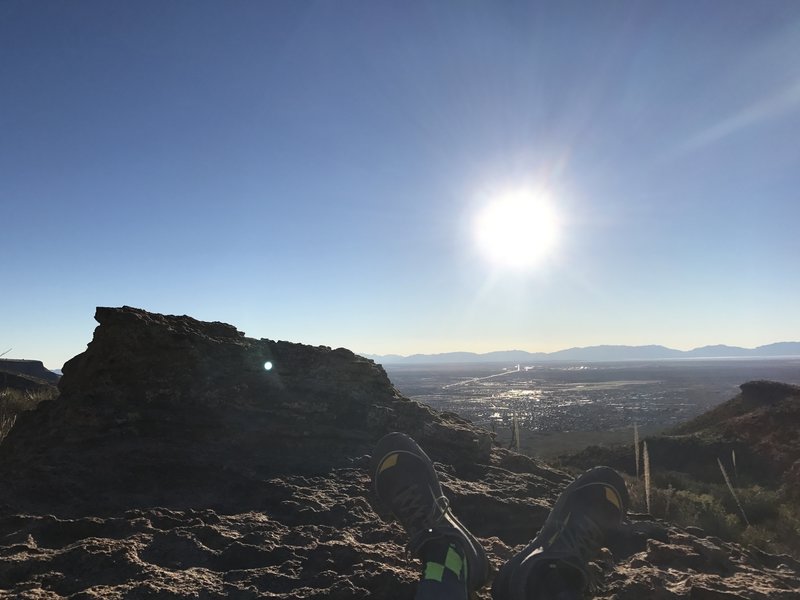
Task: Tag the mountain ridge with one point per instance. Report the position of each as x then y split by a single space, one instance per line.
600 353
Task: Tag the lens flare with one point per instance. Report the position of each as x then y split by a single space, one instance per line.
268 366
517 230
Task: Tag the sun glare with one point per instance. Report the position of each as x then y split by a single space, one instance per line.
517 230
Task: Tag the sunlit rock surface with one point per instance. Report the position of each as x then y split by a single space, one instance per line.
174 465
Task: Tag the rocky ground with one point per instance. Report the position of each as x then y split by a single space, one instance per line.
175 466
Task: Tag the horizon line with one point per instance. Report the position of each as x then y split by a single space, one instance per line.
594 346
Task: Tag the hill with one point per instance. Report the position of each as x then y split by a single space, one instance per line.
33 369
762 422
175 465
23 384
754 438
759 426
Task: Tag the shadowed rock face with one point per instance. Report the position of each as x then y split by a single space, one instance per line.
175 466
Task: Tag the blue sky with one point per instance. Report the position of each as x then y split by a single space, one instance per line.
312 171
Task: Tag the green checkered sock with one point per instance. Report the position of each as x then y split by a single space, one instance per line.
444 572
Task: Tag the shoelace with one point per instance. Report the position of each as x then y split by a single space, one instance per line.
415 512
583 536
417 515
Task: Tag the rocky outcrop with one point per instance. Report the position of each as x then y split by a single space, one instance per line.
171 411
175 466
29 368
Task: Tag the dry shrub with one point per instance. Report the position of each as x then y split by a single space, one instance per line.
13 402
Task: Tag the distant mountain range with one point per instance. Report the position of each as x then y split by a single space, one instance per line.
594 354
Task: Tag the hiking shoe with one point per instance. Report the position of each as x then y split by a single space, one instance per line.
406 483
556 561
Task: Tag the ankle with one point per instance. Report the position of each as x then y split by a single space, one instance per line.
443 560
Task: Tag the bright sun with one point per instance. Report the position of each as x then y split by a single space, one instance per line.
517 230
